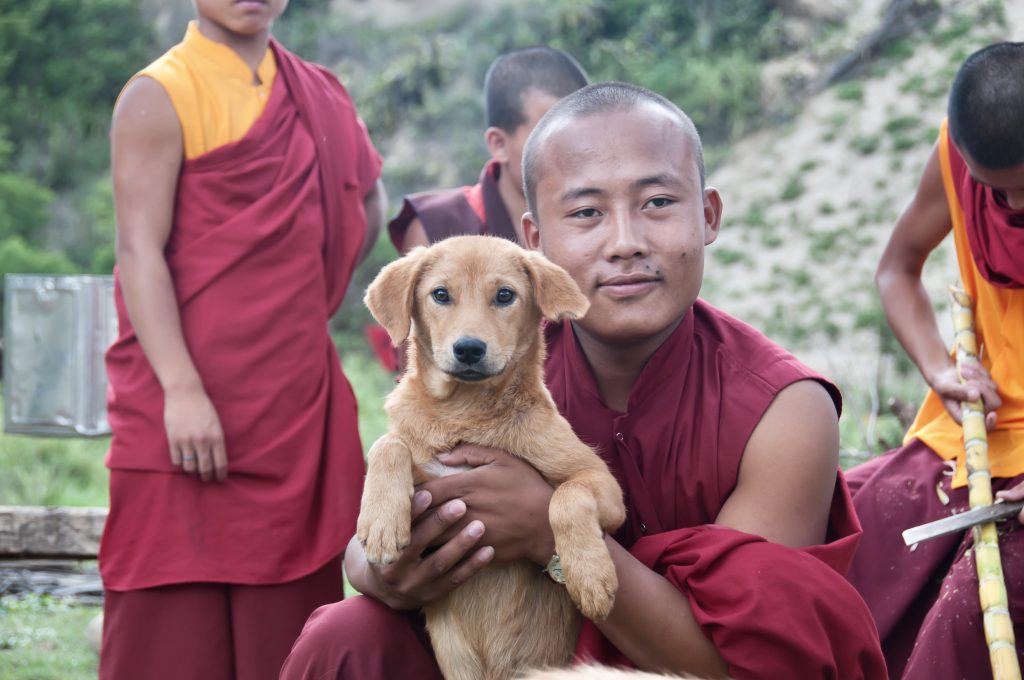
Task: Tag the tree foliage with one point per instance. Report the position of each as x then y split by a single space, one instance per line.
417 85
62 63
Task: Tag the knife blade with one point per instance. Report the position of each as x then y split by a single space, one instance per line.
961 520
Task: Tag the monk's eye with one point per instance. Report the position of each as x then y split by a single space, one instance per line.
504 296
441 296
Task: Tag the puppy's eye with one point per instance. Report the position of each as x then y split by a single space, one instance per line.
441 296
505 296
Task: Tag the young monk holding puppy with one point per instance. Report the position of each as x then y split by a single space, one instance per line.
738 528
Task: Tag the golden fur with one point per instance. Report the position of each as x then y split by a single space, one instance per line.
511 617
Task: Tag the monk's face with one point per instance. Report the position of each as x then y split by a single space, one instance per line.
239 18
509 151
1005 182
620 207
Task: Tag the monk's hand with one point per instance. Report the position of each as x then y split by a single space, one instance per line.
1014 493
977 384
194 433
507 494
422 574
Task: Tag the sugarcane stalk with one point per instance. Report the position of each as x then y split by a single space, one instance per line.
998 626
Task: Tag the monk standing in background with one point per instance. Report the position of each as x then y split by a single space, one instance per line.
925 601
739 525
520 86
246 191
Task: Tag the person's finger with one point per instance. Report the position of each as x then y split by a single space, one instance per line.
445 489
467 454
1014 493
432 525
175 451
468 567
220 459
204 459
990 397
189 458
451 553
990 420
420 502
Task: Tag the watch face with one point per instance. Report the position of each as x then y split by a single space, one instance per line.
554 569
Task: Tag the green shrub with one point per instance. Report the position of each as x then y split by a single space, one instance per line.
793 189
850 91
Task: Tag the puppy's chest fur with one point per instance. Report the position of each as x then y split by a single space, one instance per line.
474 417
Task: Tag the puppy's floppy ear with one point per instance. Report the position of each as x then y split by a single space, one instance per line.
390 296
554 291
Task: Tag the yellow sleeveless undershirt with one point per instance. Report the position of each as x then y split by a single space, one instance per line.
212 90
999 324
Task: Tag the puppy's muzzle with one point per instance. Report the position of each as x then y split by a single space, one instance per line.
469 353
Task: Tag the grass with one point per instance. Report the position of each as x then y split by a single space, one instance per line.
45 471
793 189
850 91
42 638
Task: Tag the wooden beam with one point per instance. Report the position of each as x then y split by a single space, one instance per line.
32 532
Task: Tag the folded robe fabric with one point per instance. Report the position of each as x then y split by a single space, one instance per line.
771 611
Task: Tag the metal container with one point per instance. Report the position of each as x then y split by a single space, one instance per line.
56 330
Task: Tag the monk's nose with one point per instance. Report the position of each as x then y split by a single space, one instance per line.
469 351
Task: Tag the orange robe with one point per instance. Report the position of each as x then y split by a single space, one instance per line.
999 325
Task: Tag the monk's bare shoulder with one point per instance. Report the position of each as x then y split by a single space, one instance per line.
788 473
145 116
146 153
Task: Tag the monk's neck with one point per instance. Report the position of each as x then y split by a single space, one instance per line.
250 48
618 367
515 203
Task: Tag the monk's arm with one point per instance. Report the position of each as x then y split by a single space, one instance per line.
146 156
921 227
375 204
652 622
415 235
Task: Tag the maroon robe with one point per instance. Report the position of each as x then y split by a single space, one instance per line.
925 601
676 454
266 233
457 212
771 611
994 231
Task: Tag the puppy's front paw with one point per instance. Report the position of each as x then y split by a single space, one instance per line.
384 535
592 583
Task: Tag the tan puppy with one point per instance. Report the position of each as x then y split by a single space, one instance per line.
472 307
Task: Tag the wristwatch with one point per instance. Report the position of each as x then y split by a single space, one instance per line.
554 569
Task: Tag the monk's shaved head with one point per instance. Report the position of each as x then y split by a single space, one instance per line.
986 106
517 72
611 97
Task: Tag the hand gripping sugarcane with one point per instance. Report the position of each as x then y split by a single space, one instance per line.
991 584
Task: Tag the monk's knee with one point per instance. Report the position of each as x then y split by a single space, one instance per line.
342 639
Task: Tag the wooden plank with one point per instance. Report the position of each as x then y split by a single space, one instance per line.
28 532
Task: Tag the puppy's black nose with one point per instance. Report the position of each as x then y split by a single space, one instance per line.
469 350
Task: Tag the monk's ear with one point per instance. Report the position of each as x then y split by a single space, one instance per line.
390 296
554 291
